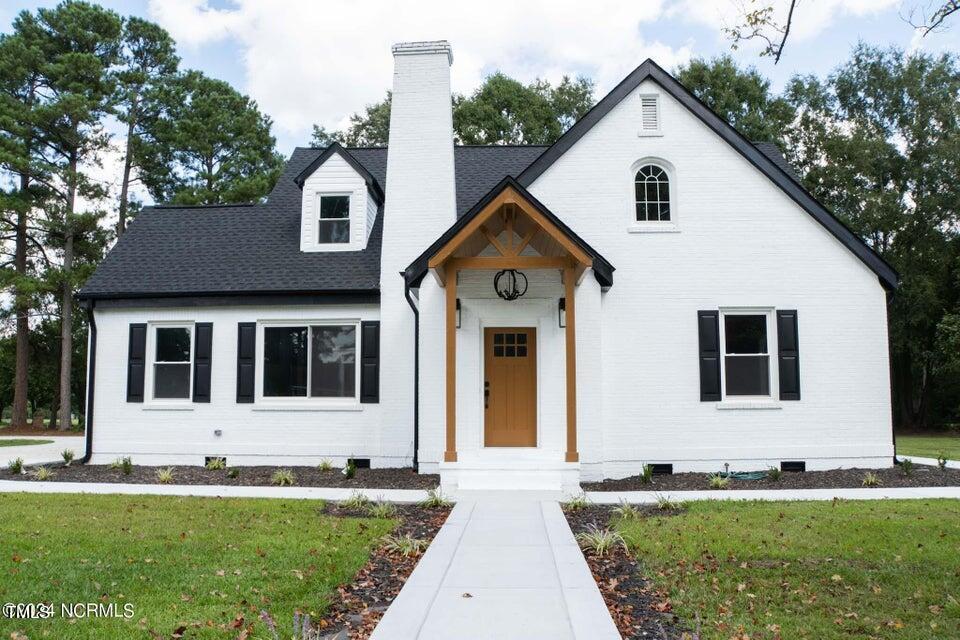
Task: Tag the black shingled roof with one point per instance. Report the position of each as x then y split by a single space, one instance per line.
172 251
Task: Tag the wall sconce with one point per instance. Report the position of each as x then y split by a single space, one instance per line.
562 312
458 313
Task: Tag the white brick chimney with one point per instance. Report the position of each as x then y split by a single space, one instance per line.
420 205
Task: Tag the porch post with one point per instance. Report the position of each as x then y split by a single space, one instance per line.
569 284
450 452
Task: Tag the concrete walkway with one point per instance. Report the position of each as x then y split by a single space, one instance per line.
42 453
505 568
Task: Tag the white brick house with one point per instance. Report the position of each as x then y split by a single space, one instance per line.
677 299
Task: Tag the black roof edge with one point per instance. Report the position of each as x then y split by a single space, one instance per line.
335 147
888 276
603 270
225 205
216 298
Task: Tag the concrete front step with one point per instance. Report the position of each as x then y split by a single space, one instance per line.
520 475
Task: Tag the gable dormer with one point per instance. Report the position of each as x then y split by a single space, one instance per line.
339 204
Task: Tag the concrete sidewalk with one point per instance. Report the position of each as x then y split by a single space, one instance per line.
500 569
42 453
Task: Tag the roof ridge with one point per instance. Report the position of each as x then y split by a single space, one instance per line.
456 146
225 205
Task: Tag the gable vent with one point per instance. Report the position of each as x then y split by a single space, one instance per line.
649 114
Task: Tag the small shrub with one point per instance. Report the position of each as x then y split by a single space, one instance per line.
600 541
165 476
646 474
576 503
942 461
42 473
435 500
627 511
325 465
124 464
870 479
719 482
216 464
67 455
350 469
15 466
233 472
906 465
381 509
405 545
356 502
283 478
664 503
775 473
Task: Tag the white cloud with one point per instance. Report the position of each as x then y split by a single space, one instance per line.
316 62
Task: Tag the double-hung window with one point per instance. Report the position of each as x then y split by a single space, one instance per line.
172 362
746 354
333 219
310 361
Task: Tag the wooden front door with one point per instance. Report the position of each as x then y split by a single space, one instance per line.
510 387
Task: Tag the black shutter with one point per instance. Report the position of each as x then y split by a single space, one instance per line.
370 362
708 323
136 362
203 348
789 355
246 360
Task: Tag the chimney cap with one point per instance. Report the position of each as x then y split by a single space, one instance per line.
424 47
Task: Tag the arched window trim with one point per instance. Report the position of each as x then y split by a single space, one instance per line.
652 226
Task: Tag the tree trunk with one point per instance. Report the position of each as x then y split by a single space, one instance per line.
18 417
66 302
127 164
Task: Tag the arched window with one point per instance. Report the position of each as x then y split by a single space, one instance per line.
653 194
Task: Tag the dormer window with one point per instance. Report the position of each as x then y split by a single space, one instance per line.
333 221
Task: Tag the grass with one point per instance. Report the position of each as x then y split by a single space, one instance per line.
929 446
194 562
21 442
884 569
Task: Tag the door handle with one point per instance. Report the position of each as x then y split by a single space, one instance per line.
486 394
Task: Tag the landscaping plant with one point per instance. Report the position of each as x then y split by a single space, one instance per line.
381 509
870 479
906 466
717 481
434 500
942 461
600 541
664 503
774 473
646 474
15 466
67 455
216 464
165 476
356 501
576 503
42 473
325 465
405 545
627 511
233 472
350 470
124 464
283 478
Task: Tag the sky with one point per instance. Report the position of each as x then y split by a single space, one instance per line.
311 62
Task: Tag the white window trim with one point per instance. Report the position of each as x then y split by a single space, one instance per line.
750 402
647 133
305 403
151 355
652 226
319 195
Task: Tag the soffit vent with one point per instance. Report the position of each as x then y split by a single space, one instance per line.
649 114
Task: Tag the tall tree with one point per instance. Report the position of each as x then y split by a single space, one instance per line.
80 43
742 97
20 61
879 142
220 142
501 111
148 62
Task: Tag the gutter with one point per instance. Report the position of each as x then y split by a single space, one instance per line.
91 377
416 373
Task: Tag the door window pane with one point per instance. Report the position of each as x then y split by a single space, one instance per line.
333 361
285 361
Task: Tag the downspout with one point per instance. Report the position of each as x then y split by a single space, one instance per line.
416 373
893 430
91 377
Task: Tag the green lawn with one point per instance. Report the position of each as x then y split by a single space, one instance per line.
193 562
929 446
884 569
21 442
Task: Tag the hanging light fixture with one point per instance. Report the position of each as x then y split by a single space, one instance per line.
510 284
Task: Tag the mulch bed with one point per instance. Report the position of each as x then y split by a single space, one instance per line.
364 601
638 609
920 476
247 477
